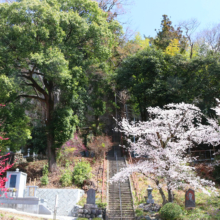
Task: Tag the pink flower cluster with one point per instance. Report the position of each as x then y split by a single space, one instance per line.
1 138
75 143
4 166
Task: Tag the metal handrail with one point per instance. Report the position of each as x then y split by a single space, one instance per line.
130 185
119 184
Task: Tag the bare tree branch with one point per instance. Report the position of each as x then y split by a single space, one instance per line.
211 37
190 26
32 97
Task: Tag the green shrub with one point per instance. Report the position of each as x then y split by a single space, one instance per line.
45 170
101 205
170 211
66 179
67 164
82 171
139 212
44 180
97 219
82 218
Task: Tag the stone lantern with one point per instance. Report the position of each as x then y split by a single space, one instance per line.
149 196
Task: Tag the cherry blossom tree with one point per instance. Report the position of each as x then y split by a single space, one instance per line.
163 142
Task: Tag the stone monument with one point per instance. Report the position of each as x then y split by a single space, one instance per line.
90 197
90 209
150 206
16 180
190 199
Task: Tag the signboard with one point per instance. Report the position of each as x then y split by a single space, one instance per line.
190 199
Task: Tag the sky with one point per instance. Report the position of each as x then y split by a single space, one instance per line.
145 16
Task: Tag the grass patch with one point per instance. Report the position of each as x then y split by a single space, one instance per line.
82 200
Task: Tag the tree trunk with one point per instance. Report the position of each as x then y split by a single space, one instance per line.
141 109
51 152
50 132
191 51
161 193
170 195
96 125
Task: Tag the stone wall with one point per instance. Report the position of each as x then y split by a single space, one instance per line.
67 199
90 211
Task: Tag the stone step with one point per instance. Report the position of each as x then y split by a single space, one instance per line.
123 189
123 208
116 211
117 195
118 200
118 214
113 200
121 218
127 186
117 207
116 190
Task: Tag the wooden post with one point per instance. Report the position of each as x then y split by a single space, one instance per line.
103 178
55 207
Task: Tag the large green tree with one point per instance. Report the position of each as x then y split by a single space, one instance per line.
49 45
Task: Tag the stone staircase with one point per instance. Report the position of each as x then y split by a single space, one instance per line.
120 202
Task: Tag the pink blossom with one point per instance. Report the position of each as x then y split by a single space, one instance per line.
3 166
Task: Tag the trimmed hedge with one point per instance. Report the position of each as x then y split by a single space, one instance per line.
170 211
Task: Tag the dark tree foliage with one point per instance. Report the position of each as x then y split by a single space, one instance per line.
153 78
168 33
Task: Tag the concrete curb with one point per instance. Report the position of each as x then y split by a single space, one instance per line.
37 215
